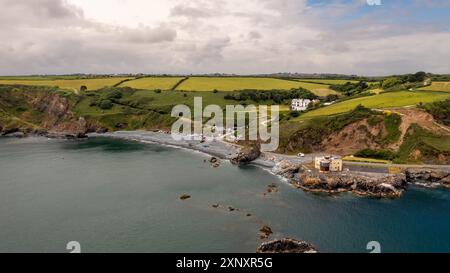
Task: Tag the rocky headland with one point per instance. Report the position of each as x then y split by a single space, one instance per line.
286 246
361 183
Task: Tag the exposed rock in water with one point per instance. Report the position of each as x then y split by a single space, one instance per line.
247 154
286 246
271 188
215 206
374 185
185 197
214 162
428 177
265 232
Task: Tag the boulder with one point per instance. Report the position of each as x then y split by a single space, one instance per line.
185 197
266 231
247 154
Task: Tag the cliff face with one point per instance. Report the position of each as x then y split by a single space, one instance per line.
411 134
41 111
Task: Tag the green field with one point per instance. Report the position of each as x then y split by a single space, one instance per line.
438 86
327 81
441 143
40 78
241 83
91 84
384 100
153 83
365 160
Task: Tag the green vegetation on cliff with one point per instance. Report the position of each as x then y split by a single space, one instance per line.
420 145
440 111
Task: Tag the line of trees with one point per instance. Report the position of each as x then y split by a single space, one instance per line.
277 96
350 89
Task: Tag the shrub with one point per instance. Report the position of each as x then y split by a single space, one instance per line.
106 104
392 123
440 111
116 94
376 154
391 82
294 114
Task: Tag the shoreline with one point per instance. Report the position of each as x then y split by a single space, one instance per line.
291 170
217 148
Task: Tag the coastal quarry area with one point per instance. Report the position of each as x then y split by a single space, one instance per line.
374 181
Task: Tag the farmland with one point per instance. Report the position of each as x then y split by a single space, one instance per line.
201 84
242 83
384 100
327 81
91 84
153 83
438 86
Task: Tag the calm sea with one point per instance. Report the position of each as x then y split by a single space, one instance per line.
122 196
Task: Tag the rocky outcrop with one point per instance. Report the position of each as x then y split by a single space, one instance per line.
266 231
185 197
43 112
286 246
247 154
215 162
428 177
374 185
286 169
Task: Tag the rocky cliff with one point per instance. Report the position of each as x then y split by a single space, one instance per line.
41 111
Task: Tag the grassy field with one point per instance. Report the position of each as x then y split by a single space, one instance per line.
235 84
153 83
384 100
438 86
441 143
326 81
40 78
91 84
365 160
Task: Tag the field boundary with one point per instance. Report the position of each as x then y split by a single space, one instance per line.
180 82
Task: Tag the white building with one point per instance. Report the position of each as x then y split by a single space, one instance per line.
300 104
329 164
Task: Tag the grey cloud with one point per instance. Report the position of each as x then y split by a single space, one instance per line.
39 13
148 35
254 35
191 12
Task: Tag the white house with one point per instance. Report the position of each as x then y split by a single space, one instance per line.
300 104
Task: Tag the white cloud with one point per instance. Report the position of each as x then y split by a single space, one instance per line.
202 36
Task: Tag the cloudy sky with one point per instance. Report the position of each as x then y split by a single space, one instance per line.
225 36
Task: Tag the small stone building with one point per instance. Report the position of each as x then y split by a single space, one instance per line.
329 164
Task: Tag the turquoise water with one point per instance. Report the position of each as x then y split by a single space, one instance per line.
121 196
